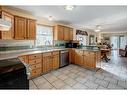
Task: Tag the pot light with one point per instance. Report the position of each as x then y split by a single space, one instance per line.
50 18
69 7
97 30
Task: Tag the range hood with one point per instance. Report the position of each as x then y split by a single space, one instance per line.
4 25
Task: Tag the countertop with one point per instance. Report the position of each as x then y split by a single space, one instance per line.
17 53
92 50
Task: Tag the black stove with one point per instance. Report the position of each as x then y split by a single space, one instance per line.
13 74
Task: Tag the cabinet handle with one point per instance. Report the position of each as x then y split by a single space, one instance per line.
35 66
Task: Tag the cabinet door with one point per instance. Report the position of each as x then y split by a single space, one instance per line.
92 62
56 62
60 32
66 33
71 34
20 28
8 34
47 64
89 59
72 56
31 29
79 57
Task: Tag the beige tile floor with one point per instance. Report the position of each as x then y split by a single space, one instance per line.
112 75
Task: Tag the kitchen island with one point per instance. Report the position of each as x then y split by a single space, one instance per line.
87 58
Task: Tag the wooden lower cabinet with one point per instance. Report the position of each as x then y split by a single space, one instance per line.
41 63
55 60
47 64
72 56
79 57
88 59
35 63
35 73
50 61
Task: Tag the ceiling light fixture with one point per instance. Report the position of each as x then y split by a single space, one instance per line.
69 7
50 18
97 30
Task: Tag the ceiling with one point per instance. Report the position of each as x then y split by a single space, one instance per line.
110 18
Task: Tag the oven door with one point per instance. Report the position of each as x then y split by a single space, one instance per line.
14 80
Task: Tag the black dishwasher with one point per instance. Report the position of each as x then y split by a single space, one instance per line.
13 74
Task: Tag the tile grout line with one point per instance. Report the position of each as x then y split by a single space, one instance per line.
48 81
35 84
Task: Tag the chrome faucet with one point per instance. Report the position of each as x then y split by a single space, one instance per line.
47 43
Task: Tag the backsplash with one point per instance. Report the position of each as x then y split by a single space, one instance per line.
60 43
9 45
14 48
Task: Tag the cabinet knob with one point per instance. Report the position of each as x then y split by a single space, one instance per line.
34 71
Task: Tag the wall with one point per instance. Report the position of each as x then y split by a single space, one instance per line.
114 34
89 31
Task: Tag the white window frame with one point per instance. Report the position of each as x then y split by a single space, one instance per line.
43 34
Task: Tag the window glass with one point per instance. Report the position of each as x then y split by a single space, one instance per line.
44 33
82 39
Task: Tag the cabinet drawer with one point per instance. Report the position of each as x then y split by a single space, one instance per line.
55 53
35 72
23 58
35 56
47 54
31 62
35 66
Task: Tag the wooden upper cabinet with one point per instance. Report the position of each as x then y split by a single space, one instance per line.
20 28
66 33
71 34
25 28
7 34
63 33
58 32
31 29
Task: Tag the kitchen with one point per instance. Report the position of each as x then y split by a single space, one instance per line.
54 55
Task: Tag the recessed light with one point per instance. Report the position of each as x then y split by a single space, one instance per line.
97 30
69 7
50 18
